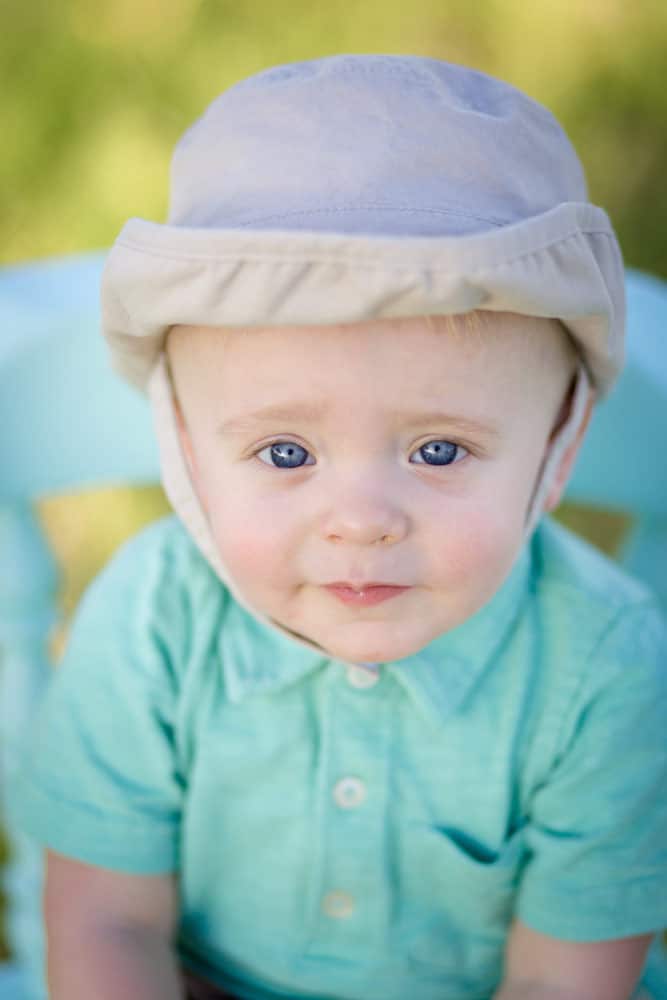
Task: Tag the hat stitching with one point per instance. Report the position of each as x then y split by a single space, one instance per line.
375 206
315 258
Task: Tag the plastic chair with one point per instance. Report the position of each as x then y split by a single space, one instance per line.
67 423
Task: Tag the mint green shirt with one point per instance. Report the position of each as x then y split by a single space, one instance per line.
346 834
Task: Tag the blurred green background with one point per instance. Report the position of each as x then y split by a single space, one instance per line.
94 95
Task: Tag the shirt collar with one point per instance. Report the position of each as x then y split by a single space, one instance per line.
259 659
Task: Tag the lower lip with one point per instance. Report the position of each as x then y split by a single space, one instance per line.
364 598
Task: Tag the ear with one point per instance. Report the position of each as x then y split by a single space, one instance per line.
188 452
568 458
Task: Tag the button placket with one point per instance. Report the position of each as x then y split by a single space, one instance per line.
353 894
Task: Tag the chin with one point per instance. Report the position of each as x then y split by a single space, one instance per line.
371 648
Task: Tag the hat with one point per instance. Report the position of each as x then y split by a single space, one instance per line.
354 188
357 187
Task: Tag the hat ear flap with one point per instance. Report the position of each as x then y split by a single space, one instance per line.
567 460
562 448
185 442
178 464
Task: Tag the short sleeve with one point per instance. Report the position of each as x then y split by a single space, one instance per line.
597 835
99 781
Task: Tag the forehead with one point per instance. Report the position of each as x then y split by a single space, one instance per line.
481 355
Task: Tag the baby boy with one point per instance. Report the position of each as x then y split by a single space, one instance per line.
358 723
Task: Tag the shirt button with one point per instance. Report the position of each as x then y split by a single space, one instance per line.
362 677
349 793
338 905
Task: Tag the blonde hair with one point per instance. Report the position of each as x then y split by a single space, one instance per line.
547 338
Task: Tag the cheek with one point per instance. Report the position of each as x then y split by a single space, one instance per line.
488 540
477 550
254 539
245 557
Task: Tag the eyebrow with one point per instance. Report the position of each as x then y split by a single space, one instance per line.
313 412
460 425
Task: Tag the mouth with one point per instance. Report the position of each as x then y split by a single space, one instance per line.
364 595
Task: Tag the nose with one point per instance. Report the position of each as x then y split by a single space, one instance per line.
361 518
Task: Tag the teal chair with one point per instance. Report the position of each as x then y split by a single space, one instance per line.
67 423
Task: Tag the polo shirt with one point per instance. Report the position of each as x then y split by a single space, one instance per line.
363 832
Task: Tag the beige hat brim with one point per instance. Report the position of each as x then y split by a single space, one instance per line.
564 263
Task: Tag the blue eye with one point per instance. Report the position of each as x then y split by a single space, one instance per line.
285 455
438 453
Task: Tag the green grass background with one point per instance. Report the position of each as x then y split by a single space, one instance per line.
93 96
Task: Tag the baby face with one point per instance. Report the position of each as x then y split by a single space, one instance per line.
367 485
